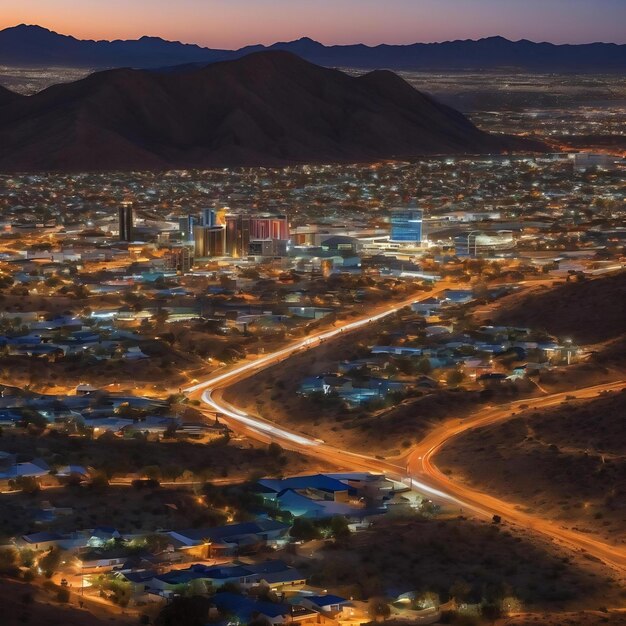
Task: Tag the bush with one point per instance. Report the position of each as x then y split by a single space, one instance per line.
50 562
378 608
63 595
274 449
27 484
99 482
339 528
8 560
304 530
28 576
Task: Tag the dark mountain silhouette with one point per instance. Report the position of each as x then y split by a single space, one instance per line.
7 96
35 46
269 108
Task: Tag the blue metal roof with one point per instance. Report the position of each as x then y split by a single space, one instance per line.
316 481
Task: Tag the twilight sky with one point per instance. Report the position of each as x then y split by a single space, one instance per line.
234 23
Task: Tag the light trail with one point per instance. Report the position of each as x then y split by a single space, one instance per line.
257 425
308 343
431 481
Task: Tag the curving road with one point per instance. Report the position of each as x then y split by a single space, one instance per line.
417 466
420 463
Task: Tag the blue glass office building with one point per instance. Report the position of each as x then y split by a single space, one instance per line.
406 225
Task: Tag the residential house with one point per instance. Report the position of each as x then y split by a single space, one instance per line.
333 606
246 609
43 541
230 539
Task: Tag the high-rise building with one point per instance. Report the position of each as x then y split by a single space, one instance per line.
179 259
208 241
269 227
186 225
126 222
241 229
209 217
406 225
237 235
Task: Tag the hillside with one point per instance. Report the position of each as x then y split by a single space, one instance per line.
437 555
590 311
34 46
269 108
567 463
26 603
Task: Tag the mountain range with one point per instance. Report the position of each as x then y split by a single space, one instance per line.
267 108
34 46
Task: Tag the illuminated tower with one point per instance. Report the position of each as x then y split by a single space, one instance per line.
406 225
126 222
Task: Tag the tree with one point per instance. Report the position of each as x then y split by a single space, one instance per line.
27 557
156 543
50 561
28 484
511 604
455 378
428 508
172 471
339 528
63 595
28 576
34 418
427 600
460 590
304 530
198 587
378 608
120 590
8 560
274 449
99 482
52 281
153 472
423 366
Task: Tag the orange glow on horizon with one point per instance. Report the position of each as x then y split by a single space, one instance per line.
236 23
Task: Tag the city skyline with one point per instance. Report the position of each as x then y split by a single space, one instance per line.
245 22
312 312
